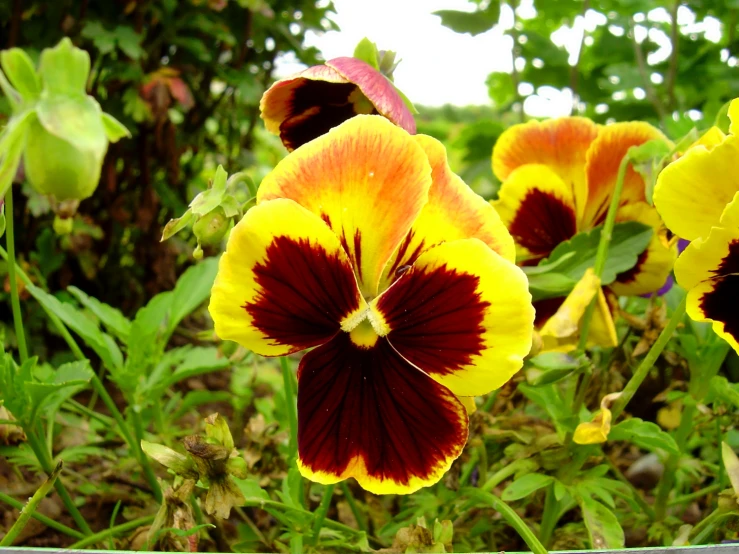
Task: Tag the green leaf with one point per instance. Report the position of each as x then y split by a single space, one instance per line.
51 392
628 240
114 129
176 225
473 23
603 528
526 485
129 41
2 220
731 464
199 360
552 402
560 490
21 73
75 119
111 317
191 290
209 199
550 285
103 39
725 391
644 434
501 88
100 342
366 51
64 69
550 367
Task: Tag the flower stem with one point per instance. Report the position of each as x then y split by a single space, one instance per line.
511 517
112 531
42 518
20 334
353 506
30 508
716 487
44 459
321 513
601 255
292 415
143 459
646 365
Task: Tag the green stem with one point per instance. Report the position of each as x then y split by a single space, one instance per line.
549 517
42 518
151 477
44 459
99 388
703 530
483 465
321 513
696 495
601 255
112 531
30 508
292 414
646 365
668 476
353 506
507 471
20 334
513 519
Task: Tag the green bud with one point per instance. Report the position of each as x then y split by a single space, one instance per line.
63 225
212 227
56 167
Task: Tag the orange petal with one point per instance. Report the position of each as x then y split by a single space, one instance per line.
367 179
603 160
561 144
453 212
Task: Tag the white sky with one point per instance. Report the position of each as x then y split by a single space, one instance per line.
439 66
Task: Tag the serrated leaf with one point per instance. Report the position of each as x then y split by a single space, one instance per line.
64 69
526 485
114 129
603 527
129 41
366 50
21 73
644 434
109 316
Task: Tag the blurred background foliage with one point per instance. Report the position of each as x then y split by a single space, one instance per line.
186 78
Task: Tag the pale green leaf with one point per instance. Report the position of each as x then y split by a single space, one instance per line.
644 434
525 486
366 50
114 129
603 527
109 316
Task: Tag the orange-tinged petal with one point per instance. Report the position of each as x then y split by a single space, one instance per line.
453 212
462 314
367 413
538 208
692 192
654 265
367 179
284 282
560 143
377 89
603 160
709 270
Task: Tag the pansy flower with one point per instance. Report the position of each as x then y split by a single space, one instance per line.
558 177
305 106
698 198
365 247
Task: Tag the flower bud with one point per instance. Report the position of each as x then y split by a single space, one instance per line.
212 227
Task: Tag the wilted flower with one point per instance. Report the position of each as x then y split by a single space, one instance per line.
558 177
211 461
597 430
174 513
697 196
365 245
58 128
305 106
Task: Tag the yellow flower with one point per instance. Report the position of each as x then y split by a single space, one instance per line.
365 247
596 431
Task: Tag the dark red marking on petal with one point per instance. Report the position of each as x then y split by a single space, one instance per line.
373 404
305 293
546 308
315 108
542 222
435 318
403 257
630 275
722 303
355 253
326 218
